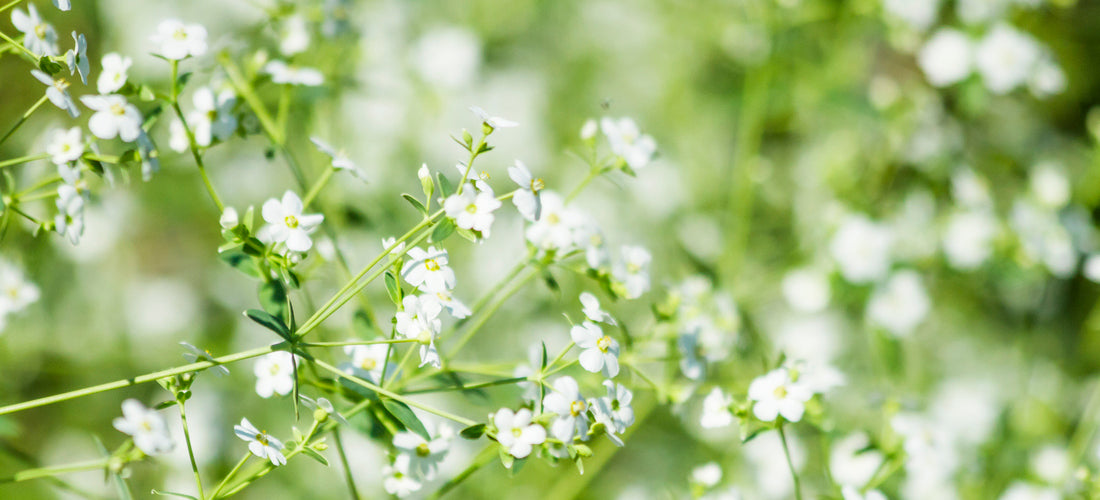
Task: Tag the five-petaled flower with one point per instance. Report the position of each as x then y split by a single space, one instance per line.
570 406
775 394
114 117
428 270
472 209
177 40
287 224
516 433
146 426
260 443
599 352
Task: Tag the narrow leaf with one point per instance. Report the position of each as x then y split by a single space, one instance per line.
406 416
270 322
415 203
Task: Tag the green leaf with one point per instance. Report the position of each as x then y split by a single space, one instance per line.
473 432
542 367
48 65
468 234
183 78
442 230
240 261
270 322
314 454
145 93
393 288
273 298
506 459
445 187
415 203
467 139
551 282
406 416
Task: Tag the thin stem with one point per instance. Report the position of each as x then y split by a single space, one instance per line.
23 119
198 158
484 458
23 159
17 45
10 4
29 474
480 385
232 473
392 395
484 317
592 174
318 186
352 490
357 342
790 463
41 184
400 366
38 196
190 450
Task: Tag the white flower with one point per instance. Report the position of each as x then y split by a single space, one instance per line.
447 57
57 91
453 305
274 374
851 463
516 433
367 361
398 249
1049 185
16 293
818 378
776 394
213 116
1006 58
428 270
282 72
114 74
861 249
473 209
946 57
692 363
968 239
114 117
424 455
340 159
229 218
146 426
592 309
1020 490
526 198
920 14
599 352
851 493
63 4
397 479
41 38
1091 268
614 410
493 121
558 227
707 475
420 320
295 36
1051 463
589 129
900 304
1048 79
287 224
69 220
260 443
628 142
177 40
634 271
716 410
65 146
568 403
806 290
77 57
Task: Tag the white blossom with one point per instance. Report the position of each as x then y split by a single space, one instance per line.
493 121
57 91
716 410
946 57
114 73
776 394
592 309
40 37
516 433
472 209
1006 58
628 142
114 117
861 248
77 57
65 146
424 455
274 374
614 410
900 304
633 273
295 36
69 220
16 292
396 478
260 443
176 40
289 74
146 426
287 224
526 199
428 270
571 408
340 159
806 290
367 361
599 352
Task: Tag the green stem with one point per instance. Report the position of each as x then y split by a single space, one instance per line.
38 185
790 463
23 48
10 4
488 313
194 147
29 474
484 458
480 385
352 490
23 119
357 342
190 450
232 473
317 186
592 174
392 395
23 159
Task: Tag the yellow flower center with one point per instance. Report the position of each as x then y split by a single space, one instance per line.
180 34
780 392
604 343
368 364
291 221
517 432
471 208
537 185
262 438
40 31
275 369
431 264
117 109
553 219
576 408
423 450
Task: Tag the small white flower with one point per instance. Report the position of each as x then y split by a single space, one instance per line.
274 374
493 121
367 361
1049 185
627 141
861 249
428 270
692 362
260 443
851 493
41 38
614 410
340 159
716 410
295 36
63 4
946 57
16 293
558 227
592 309
114 73
1048 79
968 239
516 433
472 209
229 218
599 352
146 426
397 479
65 146
526 198
899 305
57 91
568 403
1092 268
806 290
287 224
420 320
589 130
390 242
213 116
177 40
707 475
284 73
424 455
453 305
920 14
776 394
1006 58
634 271
77 57
114 117
851 463
69 220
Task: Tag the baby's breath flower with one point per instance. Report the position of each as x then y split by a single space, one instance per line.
628 142
16 293
113 117
428 270
77 57
146 426
65 146
420 320
861 249
572 409
424 455
453 305
289 74
295 36
946 57
516 433
614 410
716 410
1005 58
592 309
57 91
473 209
69 220
776 394
900 304
599 352
274 374
493 122
212 117
40 37
287 224
633 273
589 130
176 40
260 443
367 361
114 73
526 198
397 480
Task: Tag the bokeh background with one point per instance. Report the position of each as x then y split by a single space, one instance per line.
776 121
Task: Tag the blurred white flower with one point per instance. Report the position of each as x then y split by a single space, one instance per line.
968 239
424 455
946 57
806 289
970 190
900 304
920 14
447 57
340 159
1005 58
40 37
63 4
16 292
396 479
69 220
716 410
599 352
1052 463
229 218
516 433
65 145
456 307
176 40
114 117
526 198
428 271
1020 490
1048 79
558 228
493 121
776 394
861 248
57 91
114 73
850 463
289 74
1092 268
707 475
260 443
589 130
295 36
473 209
287 224
614 410
419 319
367 361
213 116
633 272
567 402
146 426
1049 185
628 142
592 309
274 374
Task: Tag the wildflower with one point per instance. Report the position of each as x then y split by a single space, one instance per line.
284 73
589 129
614 410
526 198
600 352
1006 58
968 238
287 224
899 305
493 122
634 272
453 305
707 475
340 160
1048 79
57 92
776 394
397 479
424 455
114 73
229 218
420 320
946 57
566 401
592 309
324 406
274 374
472 209
260 443
69 220
65 146
213 116
295 36
177 40
16 293
77 57
557 226
40 37
146 426
63 4
195 355
628 142
851 462
428 270
1049 185
367 361
806 290
398 248
114 117
516 433
861 249
816 377
716 410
